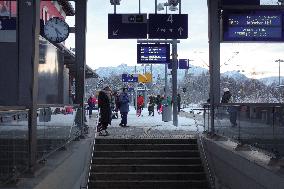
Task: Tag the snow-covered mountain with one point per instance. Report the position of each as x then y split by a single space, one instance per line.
235 75
158 70
270 80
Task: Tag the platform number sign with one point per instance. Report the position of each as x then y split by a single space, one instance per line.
168 26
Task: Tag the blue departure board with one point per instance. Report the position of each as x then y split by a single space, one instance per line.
131 78
253 25
153 53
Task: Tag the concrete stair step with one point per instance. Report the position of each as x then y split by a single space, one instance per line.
149 153
130 147
149 184
145 141
147 164
146 160
148 176
147 168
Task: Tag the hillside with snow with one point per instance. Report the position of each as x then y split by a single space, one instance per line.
158 71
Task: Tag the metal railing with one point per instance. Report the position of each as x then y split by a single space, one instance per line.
210 173
85 181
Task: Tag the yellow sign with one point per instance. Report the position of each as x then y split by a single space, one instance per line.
146 78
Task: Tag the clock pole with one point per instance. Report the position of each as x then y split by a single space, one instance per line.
28 43
80 53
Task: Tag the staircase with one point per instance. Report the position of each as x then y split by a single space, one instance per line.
146 163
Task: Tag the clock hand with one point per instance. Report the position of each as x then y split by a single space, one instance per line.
57 32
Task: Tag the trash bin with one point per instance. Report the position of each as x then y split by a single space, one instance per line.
45 115
167 113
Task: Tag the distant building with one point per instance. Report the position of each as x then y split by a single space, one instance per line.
48 9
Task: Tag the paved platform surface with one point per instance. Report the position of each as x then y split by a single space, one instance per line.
146 126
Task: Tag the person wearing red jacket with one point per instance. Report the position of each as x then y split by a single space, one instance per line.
91 102
140 104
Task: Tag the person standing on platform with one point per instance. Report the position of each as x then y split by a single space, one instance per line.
151 105
91 103
140 104
117 104
178 102
227 98
159 103
123 107
105 111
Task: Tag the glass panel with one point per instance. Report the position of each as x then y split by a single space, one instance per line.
56 127
261 126
13 144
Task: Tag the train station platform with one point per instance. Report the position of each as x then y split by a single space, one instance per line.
72 162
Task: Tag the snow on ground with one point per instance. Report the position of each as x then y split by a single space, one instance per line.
144 121
57 121
194 109
155 122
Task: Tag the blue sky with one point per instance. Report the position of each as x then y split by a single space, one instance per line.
256 60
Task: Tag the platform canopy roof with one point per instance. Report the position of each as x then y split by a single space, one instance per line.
69 61
67 7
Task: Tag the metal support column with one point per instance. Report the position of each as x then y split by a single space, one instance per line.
152 71
214 57
156 1
80 53
174 81
179 7
28 44
166 81
139 6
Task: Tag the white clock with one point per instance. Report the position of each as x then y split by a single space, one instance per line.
56 30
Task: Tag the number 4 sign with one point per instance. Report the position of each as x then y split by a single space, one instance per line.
168 26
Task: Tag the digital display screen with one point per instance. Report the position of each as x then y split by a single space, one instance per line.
255 32
129 77
252 25
255 20
153 53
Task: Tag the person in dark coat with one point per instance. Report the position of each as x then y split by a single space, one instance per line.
151 105
117 104
159 103
105 111
226 98
178 102
123 107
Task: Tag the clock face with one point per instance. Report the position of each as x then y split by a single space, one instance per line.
56 30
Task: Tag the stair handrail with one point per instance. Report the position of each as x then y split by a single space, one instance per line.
210 174
84 183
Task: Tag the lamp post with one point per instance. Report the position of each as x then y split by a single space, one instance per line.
279 61
173 7
279 79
